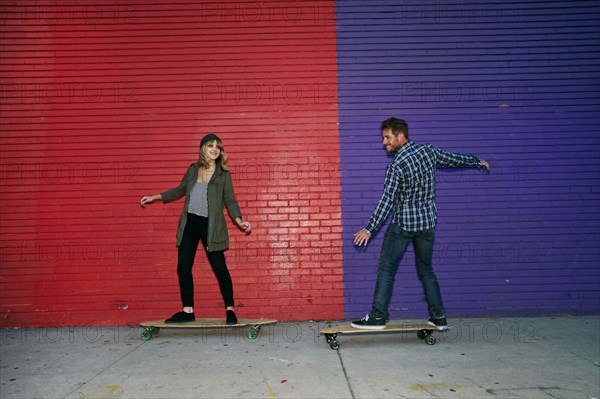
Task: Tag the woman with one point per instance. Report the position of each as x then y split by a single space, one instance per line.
207 188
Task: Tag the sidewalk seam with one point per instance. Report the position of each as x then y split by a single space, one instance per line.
346 374
104 369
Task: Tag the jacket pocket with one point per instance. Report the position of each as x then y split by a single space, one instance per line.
220 233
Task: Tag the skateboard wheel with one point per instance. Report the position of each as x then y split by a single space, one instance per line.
422 334
252 332
430 340
146 335
335 345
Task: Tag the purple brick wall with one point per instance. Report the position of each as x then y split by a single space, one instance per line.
514 83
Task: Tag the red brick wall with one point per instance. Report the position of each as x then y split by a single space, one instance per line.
102 104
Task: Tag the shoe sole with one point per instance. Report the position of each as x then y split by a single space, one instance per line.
360 327
439 328
179 322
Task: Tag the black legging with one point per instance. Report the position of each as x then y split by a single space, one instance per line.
196 230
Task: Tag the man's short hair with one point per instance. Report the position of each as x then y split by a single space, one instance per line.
396 125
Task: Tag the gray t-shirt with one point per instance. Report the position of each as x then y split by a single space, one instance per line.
199 200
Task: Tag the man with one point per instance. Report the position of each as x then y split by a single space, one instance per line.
409 189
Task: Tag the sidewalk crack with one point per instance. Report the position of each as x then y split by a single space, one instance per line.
103 370
346 374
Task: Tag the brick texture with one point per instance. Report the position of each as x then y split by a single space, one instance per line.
105 103
515 83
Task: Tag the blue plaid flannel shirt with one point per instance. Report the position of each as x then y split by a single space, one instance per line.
410 186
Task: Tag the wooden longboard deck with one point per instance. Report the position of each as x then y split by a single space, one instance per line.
390 328
208 323
151 328
424 332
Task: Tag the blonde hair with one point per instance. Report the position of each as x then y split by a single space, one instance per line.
220 162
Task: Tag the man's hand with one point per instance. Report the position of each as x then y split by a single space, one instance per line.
485 165
361 237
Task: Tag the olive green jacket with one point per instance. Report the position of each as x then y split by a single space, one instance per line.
220 195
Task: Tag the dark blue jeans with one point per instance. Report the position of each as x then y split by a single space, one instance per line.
394 246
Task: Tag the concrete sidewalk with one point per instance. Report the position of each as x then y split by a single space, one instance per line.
549 357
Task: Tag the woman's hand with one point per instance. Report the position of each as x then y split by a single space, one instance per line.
149 199
246 227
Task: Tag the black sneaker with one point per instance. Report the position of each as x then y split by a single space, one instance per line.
441 324
231 318
369 323
181 317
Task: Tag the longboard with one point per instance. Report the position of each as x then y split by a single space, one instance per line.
424 332
151 328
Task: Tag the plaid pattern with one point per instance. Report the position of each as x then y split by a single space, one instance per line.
410 186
